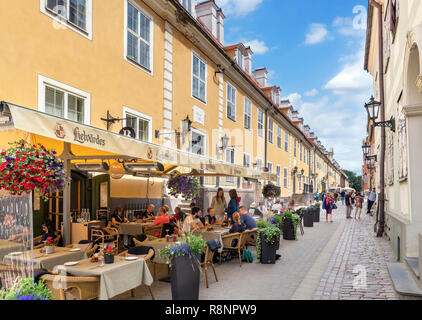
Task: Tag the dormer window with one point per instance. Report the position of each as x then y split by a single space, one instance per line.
240 58
188 5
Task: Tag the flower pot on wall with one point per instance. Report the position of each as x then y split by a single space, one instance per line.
268 250
109 258
308 218
185 276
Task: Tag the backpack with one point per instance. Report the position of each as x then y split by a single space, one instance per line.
247 253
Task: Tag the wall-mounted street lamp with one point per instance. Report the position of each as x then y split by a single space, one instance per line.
220 70
373 109
369 159
186 128
366 148
224 143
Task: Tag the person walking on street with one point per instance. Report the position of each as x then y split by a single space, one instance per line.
335 196
348 202
328 205
371 200
359 203
342 194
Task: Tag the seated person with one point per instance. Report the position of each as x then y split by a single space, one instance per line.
246 219
237 227
12 230
193 222
48 231
178 215
167 208
162 217
211 218
117 218
277 206
261 209
148 214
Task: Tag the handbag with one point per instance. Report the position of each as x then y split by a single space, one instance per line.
334 206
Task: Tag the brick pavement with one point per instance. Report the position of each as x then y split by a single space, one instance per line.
358 268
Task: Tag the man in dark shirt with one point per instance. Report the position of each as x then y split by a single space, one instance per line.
246 219
211 218
348 201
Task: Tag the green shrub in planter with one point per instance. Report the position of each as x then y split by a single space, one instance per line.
26 289
271 235
295 220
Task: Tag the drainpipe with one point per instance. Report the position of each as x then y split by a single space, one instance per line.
381 221
266 138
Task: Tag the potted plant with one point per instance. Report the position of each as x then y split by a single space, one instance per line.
25 168
289 225
49 246
308 217
109 255
317 212
184 185
268 241
271 191
184 259
26 289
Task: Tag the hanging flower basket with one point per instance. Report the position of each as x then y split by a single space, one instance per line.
271 191
185 186
25 168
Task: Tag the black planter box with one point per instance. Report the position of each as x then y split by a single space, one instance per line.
308 218
317 214
268 250
288 229
109 259
185 277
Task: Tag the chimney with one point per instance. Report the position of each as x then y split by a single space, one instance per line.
248 61
260 76
212 17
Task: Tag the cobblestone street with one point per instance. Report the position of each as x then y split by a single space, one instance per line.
319 265
358 267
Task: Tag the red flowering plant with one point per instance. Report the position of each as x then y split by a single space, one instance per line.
49 241
109 251
25 168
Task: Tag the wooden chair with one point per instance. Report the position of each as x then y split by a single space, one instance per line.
241 242
147 258
90 252
208 260
153 230
66 287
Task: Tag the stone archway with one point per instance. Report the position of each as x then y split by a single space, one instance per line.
412 108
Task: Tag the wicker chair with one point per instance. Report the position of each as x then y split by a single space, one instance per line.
38 245
66 287
10 273
253 236
208 260
91 251
241 242
106 235
153 230
147 258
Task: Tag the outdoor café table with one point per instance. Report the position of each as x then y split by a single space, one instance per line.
7 247
131 228
217 233
158 244
116 278
46 261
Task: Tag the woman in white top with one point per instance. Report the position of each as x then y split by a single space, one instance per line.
192 221
219 204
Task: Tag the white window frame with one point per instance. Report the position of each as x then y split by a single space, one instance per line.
246 114
285 178
286 141
295 148
301 151
138 114
191 4
64 21
230 180
248 155
227 101
261 162
149 71
240 59
260 133
278 172
270 130
202 133
279 137
204 102
44 81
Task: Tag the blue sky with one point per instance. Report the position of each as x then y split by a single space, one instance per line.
313 50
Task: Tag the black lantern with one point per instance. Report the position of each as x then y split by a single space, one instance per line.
373 109
366 148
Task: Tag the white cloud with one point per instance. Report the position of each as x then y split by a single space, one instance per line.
311 93
346 27
258 47
317 33
238 7
295 99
